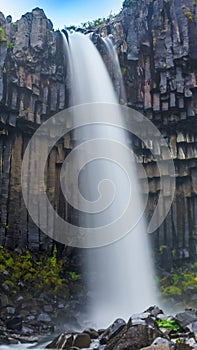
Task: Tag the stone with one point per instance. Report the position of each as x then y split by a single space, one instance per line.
82 341
10 310
160 340
186 317
157 347
48 308
154 311
26 330
133 338
44 317
4 300
112 330
183 346
14 323
63 341
92 333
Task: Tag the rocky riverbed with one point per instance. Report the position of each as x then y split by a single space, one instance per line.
150 330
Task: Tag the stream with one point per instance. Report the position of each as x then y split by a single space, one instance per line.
20 346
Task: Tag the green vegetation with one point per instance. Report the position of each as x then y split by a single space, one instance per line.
91 25
188 13
168 324
2 34
180 283
10 45
73 275
15 25
43 274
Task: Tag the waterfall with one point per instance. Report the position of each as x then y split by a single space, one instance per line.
120 275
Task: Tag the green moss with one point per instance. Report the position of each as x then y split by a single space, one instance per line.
179 284
73 275
42 275
168 324
162 248
171 291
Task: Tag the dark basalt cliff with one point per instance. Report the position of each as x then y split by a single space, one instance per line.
156 43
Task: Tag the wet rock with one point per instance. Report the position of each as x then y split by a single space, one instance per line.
63 341
133 338
15 323
154 311
160 341
186 317
20 299
48 308
182 346
82 341
193 328
157 347
4 300
25 339
44 317
10 310
112 331
26 330
13 341
92 333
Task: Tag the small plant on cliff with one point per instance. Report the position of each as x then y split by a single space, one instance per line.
188 13
15 25
74 276
2 34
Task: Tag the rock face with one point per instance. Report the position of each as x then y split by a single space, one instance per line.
32 88
157 52
156 43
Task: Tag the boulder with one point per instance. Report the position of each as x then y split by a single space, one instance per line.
133 338
63 341
82 341
44 317
186 317
92 333
157 347
112 331
161 341
15 323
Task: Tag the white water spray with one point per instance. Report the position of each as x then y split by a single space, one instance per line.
120 275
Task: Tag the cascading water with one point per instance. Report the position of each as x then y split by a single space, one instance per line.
120 276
